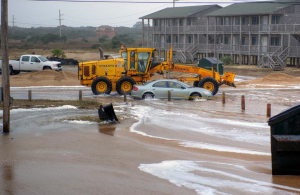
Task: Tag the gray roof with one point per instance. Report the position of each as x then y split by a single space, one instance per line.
248 9
177 12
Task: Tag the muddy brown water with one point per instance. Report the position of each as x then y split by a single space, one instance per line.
182 147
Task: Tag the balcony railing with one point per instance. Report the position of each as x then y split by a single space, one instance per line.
263 28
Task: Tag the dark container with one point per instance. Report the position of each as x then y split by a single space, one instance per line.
207 63
285 142
107 113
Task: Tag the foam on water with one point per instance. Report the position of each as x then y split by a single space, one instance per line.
80 122
207 178
172 120
64 107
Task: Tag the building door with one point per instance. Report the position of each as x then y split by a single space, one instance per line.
265 26
264 44
162 41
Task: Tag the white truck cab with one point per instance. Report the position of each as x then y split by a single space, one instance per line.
32 63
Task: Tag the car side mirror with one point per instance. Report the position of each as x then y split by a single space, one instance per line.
182 87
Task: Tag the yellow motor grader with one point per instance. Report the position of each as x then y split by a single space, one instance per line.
136 66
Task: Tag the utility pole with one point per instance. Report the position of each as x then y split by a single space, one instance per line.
13 24
174 2
60 23
5 68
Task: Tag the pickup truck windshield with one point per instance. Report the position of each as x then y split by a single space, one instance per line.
43 59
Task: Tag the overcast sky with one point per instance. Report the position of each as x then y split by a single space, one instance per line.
46 13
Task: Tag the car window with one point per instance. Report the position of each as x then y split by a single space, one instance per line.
143 58
34 59
175 85
43 59
25 59
160 84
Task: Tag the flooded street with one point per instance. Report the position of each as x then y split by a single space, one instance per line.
160 147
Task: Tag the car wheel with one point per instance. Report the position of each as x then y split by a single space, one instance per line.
195 96
148 96
101 85
210 84
125 84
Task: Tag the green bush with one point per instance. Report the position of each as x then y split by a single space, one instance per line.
226 60
95 46
58 53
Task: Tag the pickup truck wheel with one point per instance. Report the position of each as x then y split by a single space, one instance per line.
16 72
47 68
11 70
101 85
210 84
125 84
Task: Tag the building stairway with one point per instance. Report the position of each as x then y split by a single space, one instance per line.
275 60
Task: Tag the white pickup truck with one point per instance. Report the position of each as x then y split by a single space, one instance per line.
32 63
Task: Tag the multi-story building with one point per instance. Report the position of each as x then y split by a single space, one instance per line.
106 30
263 33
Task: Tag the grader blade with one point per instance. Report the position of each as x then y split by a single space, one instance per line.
228 79
107 113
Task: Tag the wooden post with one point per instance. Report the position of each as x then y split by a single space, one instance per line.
243 102
29 95
125 98
223 97
268 110
5 66
169 96
80 95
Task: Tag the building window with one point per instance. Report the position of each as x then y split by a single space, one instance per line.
190 39
176 39
227 21
169 39
243 40
243 20
176 22
275 20
255 20
221 21
220 40
169 22
254 41
237 41
191 22
156 38
237 20
156 22
275 41
181 22
226 40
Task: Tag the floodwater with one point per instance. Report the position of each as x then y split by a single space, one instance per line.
160 147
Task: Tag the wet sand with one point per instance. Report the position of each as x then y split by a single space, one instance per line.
183 147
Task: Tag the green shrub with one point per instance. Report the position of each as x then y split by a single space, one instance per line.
58 53
226 60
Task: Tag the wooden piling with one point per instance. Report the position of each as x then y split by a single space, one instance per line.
169 96
223 97
268 110
243 102
80 95
29 95
125 97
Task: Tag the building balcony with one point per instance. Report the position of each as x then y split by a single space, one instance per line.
225 29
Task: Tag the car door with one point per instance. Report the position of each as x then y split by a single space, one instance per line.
160 89
177 90
24 63
35 63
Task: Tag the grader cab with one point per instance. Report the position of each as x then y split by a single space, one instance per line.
136 66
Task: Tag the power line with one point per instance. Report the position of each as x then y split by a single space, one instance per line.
150 2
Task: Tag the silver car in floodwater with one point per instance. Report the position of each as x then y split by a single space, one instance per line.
159 89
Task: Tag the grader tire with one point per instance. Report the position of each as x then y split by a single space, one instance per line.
125 84
101 85
210 84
